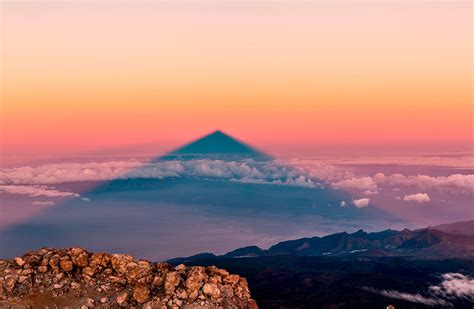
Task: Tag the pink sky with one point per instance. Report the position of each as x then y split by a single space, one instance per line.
79 76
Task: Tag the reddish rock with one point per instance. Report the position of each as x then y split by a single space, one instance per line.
89 280
66 264
212 290
172 281
19 261
141 293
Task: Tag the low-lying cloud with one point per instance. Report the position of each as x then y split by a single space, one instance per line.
361 203
30 180
35 191
34 181
337 177
453 286
363 183
43 203
418 198
453 184
410 297
246 171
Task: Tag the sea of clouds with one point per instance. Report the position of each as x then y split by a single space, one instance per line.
41 180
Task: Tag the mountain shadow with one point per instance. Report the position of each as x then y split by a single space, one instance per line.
187 213
216 146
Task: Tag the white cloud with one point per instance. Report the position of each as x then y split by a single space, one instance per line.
414 298
35 191
31 180
453 184
85 199
360 203
318 170
44 203
455 284
343 204
363 183
50 174
304 173
369 192
418 198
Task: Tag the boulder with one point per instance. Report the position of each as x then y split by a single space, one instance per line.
172 281
141 293
212 290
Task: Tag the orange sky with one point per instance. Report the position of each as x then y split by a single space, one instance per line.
81 75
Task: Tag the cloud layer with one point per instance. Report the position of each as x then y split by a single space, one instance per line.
32 180
35 181
453 184
35 191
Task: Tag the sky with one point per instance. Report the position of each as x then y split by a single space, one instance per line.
80 76
368 98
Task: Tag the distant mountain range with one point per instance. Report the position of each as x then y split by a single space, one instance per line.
454 240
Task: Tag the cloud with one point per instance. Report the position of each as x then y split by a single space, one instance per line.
453 184
363 183
418 197
303 173
318 170
360 203
453 160
247 171
414 298
455 285
369 192
50 174
343 204
32 180
44 203
35 191
85 199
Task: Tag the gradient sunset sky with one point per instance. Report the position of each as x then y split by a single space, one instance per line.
85 75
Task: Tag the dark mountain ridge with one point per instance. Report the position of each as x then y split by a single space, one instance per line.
427 243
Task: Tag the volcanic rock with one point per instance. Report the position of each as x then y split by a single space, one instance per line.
76 278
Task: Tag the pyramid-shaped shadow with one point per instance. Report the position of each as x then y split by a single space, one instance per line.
215 146
179 216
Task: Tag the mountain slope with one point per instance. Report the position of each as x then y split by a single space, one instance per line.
457 228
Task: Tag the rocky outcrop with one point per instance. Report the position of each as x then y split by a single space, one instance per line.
76 278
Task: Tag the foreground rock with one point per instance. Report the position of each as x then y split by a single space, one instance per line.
76 278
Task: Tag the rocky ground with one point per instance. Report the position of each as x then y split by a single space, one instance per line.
76 278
